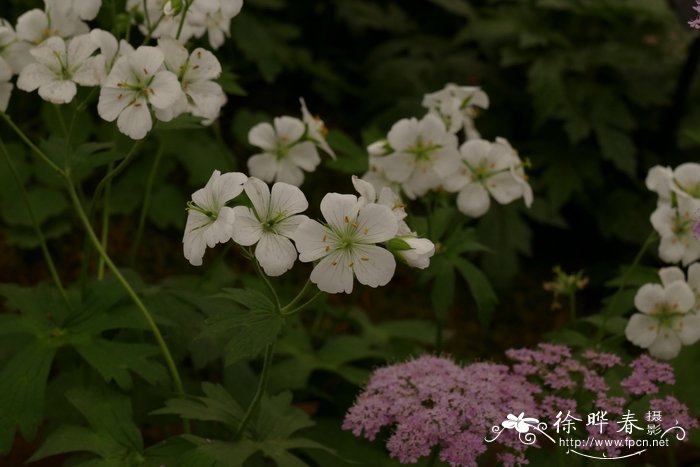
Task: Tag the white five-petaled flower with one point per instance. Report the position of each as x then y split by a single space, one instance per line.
521 423
5 85
83 9
209 220
666 321
270 223
59 67
286 155
418 253
684 181
424 153
674 225
346 245
316 129
486 168
200 95
35 26
136 81
456 106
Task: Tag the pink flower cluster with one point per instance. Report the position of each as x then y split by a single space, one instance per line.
695 24
432 403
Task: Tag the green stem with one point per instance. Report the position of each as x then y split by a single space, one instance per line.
623 283
104 235
31 145
170 363
37 228
433 457
188 3
111 174
262 384
266 281
146 204
283 311
298 298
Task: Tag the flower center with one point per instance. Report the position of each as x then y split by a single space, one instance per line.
192 206
422 150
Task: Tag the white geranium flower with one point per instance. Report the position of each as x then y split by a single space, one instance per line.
456 107
35 26
110 49
200 96
387 197
136 81
285 153
674 225
12 49
486 169
419 252
346 245
664 323
424 152
213 18
209 220
270 223
5 85
163 25
517 170
59 68
316 129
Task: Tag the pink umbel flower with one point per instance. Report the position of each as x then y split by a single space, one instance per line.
646 373
695 24
432 401
673 413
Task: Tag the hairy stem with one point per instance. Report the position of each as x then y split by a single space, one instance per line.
104 234
260 390
146 204
37 228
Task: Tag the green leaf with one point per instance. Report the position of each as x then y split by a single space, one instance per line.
113 360
617 147
480 288
108 413
217 406
351 158
443 289
69 438
22 387
251 299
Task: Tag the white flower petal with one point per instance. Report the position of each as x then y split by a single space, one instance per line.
403 134
372 265
365 189
332 274
688 328
694 277
275 253
313 240
58 92
246 229
203 66
259 194
398 166
165 90
305 155
263 166
376 223
339 210
34 76
135 120
642 330
671 250
287 199
473 200
146 61
666 346
649 297
288 227
288 129
263 136
671 274
112 102
288 172
679 296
